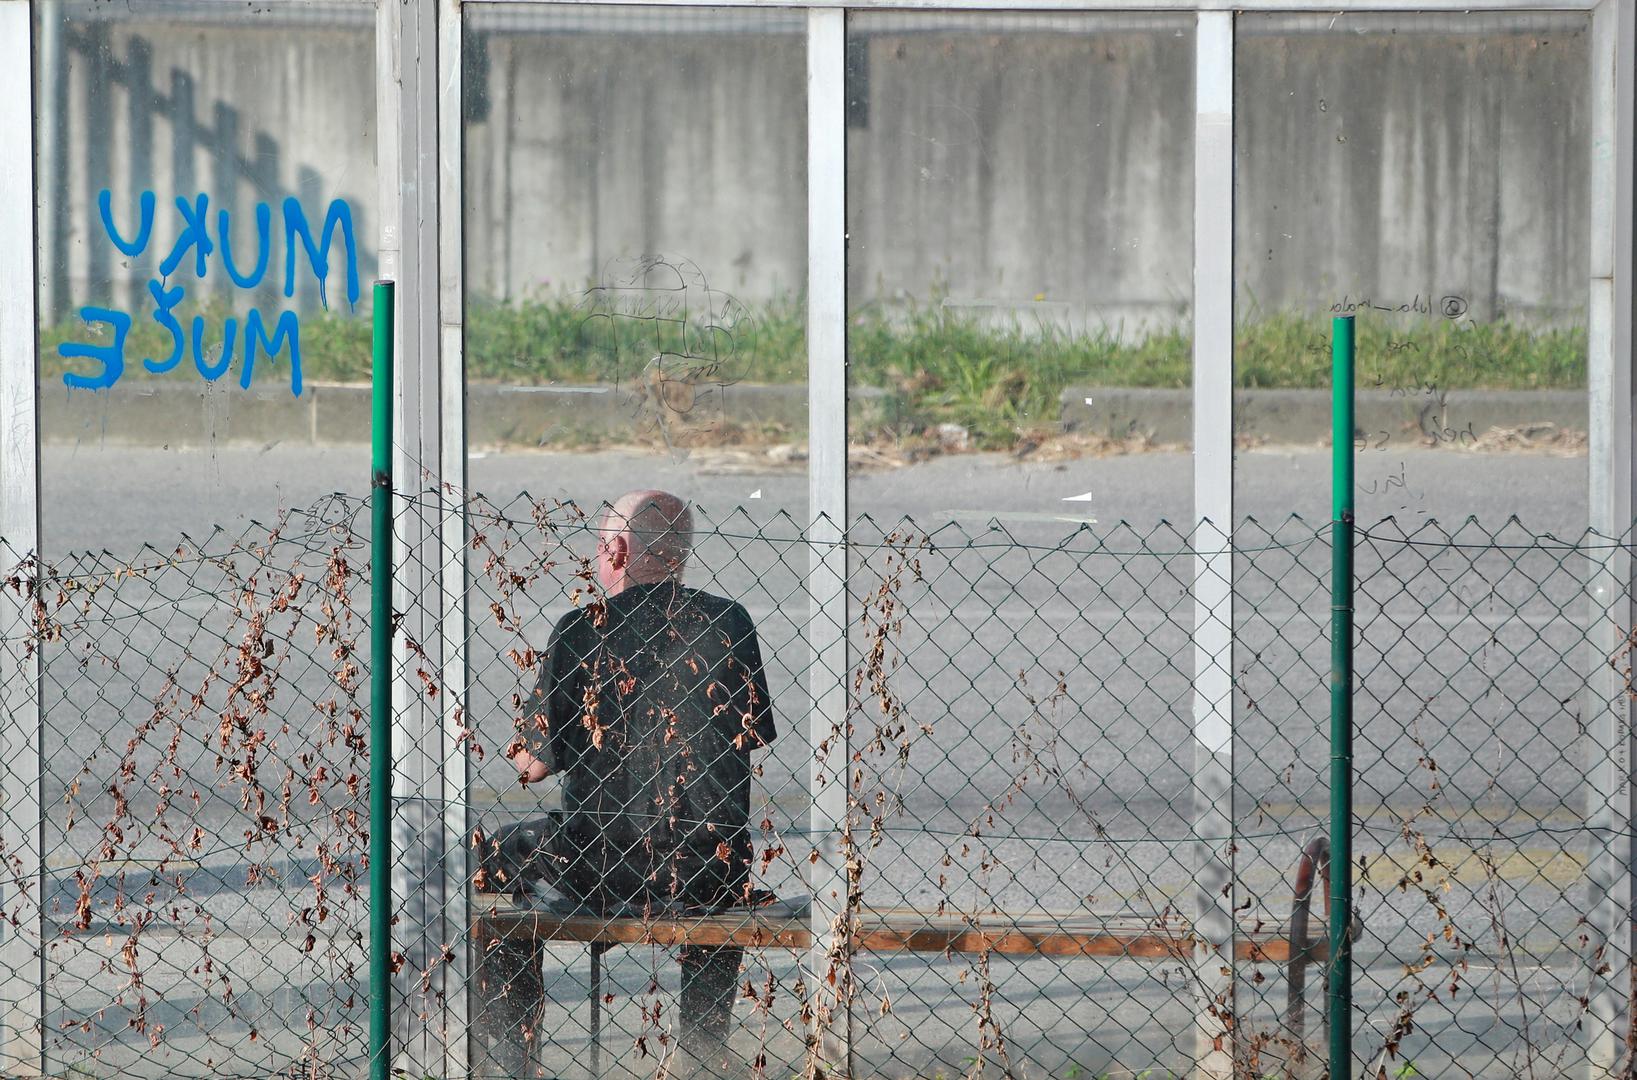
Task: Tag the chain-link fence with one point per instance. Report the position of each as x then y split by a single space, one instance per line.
924 801
190 894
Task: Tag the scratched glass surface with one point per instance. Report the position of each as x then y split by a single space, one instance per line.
636 242
1020 201
1429 175
206 231
206 223
635 223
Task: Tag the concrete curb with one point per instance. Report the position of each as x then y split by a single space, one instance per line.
163 413
1301 416
160 413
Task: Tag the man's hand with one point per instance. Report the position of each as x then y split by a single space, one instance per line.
529 767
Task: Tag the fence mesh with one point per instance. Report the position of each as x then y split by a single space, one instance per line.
905 801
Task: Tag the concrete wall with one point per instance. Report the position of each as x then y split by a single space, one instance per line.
1044 171
1409 163
1010 167
244 113
592 149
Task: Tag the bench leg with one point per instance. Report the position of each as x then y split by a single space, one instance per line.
597 950
1314 861
509 993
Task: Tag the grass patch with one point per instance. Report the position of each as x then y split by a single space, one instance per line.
1293 352
935 365
334 347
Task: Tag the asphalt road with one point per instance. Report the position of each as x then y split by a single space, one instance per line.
119 497
1470 660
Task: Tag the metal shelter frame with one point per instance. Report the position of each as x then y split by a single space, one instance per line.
419 117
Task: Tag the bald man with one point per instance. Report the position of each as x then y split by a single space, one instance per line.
649 703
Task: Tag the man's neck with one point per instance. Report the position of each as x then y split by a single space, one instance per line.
636 583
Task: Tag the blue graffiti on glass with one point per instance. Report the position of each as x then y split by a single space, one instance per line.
111 357
195 234
264 247
193 247
212 372
286 329
164 302
143 231
295 224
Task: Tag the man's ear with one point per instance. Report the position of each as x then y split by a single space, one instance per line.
619 552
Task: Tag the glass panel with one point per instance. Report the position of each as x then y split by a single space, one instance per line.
195 115
1020 199
635 230
1020 293
1429 175
207 205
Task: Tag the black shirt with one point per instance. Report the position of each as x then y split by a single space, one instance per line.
649 703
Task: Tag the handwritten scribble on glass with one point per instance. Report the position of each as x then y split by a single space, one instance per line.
1449 306
658 312
666 338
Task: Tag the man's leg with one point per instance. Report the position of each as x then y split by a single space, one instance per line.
710 982
508 996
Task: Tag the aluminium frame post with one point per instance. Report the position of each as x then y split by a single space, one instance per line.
452 495
1339 984
52 72
1607 705
22 938
1212 896
407 172
829 726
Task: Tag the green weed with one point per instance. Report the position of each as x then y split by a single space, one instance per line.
934 365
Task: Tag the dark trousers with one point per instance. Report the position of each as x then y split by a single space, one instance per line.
511 992
710 982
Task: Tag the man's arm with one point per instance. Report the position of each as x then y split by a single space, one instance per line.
532 751
754 711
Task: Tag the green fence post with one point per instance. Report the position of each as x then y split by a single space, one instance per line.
1340 984
380 691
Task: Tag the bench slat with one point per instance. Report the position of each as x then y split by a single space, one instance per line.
1079 934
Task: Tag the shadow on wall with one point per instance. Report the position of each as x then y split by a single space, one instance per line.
1429 162
237 112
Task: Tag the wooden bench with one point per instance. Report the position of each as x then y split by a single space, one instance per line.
510 939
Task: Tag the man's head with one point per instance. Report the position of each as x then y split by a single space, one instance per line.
645 538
